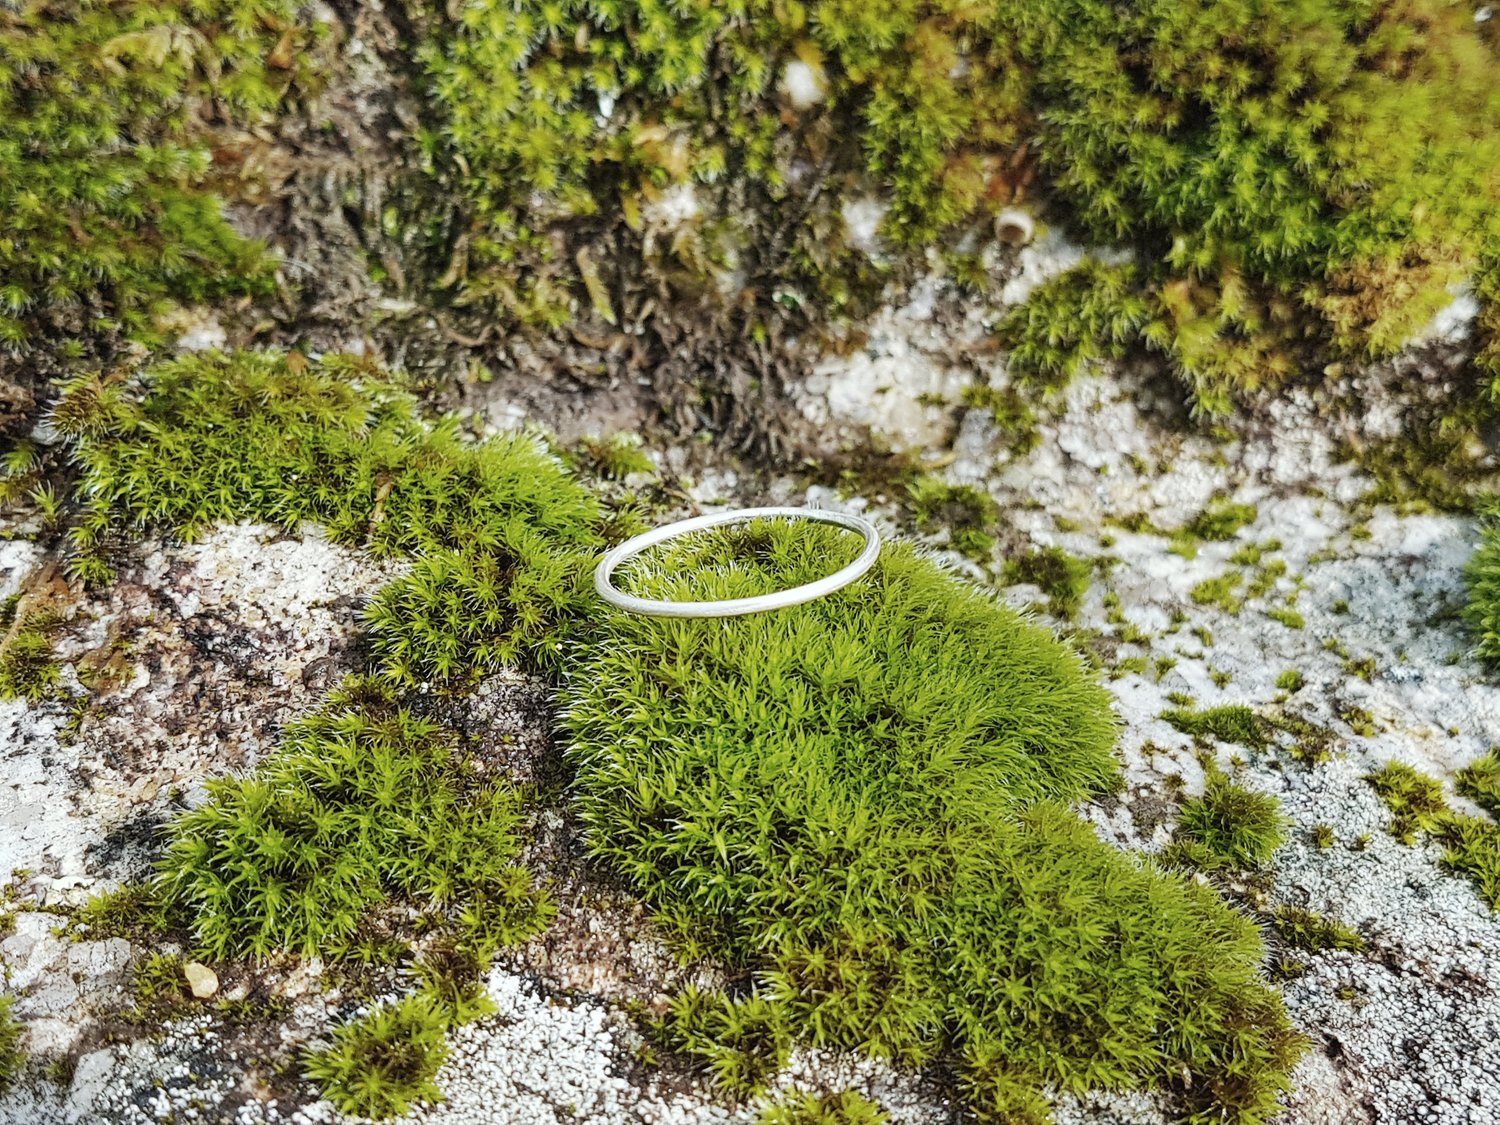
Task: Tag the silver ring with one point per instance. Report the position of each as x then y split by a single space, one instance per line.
734 607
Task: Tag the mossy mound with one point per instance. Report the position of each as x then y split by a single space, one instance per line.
1284 167
369 833
12 1035
1228 828
383 1063
500 530
361 802
105 162
863 800
1298 181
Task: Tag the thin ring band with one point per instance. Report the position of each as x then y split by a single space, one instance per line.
734 607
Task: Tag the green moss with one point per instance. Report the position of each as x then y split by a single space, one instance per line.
1265 579
1088 314
1416 801
972 729
1231 723
1221 521
213 438
1486 284
362 801
1288 617
1296 178
12 1035
159 978
161 990
104 157
1220 592
1471 847
845 1108
615 457
1323 837
28 669
1012 415
1271 159
1482 611
1305 929
1480 781
1061 577
134 911
742 1041
1359 720
1471 844
365 804
1228 828
501 531
1311 744
1291 680
862 800
514 92
967 513
384 1062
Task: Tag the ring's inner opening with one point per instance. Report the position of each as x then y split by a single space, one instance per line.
760 556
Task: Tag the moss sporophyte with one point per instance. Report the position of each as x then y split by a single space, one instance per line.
862 802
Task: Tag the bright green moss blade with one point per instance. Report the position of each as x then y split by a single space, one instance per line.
865 799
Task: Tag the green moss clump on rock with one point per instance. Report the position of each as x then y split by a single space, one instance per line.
1471 844
572 117
1088 314
384 1062
1416 800
365 803
1062 577
969 514
105 161
28 668
1480 781
1471 847
864 800
362 801
1309 930
1291 172
1230 723
742 1041
1220 521
845 1108
501 531
1482 610
1228 828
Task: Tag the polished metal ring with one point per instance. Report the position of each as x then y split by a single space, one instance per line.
735 607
